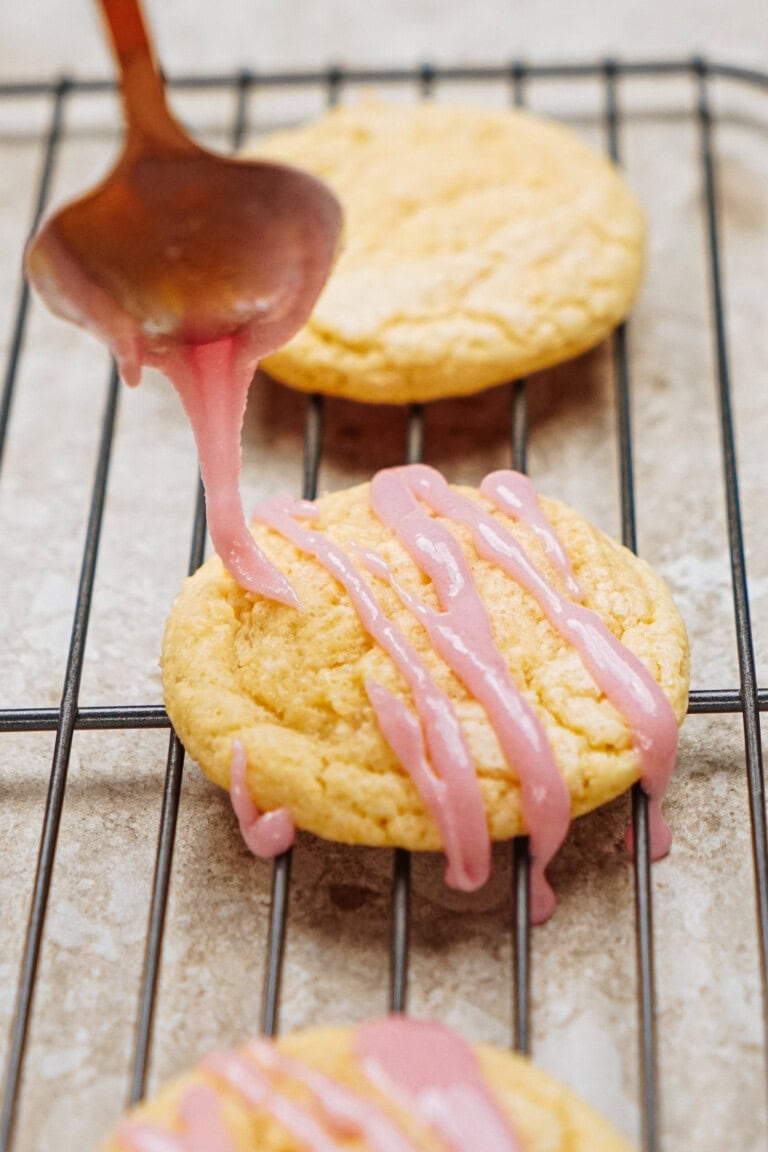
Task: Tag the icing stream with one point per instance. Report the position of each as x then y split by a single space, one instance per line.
212 381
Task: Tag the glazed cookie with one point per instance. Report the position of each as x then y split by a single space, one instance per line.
391 1085
479 246
464 664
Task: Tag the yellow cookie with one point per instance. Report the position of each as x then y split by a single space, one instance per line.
479 246
297 687
316 1090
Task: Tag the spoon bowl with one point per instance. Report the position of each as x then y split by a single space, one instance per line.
187 244
188 247
194 263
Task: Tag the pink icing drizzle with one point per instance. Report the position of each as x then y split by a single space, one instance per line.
449 788
514 494
623 678
423 1067
141 1136
256 1090
435 1073
266 834
462 635
619 674
348 1113
202 1128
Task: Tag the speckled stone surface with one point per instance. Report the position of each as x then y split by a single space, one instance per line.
711 1059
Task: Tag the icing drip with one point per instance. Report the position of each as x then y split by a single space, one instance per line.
449 786
433 1071
462 635
266 834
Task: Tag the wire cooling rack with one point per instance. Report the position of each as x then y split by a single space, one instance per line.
745 698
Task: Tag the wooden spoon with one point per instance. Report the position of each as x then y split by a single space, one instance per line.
193 263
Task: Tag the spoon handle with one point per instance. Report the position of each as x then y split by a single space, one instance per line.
150 125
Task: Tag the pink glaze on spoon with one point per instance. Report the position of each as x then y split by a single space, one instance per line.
434 1073
193 263
266 834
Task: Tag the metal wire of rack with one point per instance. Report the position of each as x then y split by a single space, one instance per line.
745 699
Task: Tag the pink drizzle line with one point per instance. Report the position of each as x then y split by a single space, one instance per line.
514 494
141 1136
256 1090
462 635
433 1071
430 743
624 679
346 1112
449 785
266 834
202 1128
423 1067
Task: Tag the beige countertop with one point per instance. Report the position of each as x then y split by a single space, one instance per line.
711 1060
50 36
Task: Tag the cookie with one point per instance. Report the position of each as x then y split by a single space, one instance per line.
391 1085
465 665
479 246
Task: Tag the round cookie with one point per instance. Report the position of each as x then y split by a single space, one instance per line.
542 1114
293 685
479 246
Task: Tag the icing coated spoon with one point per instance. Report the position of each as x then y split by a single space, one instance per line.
193 263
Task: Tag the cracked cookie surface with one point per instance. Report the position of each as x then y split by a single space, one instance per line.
478 246
545 1115
291 685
